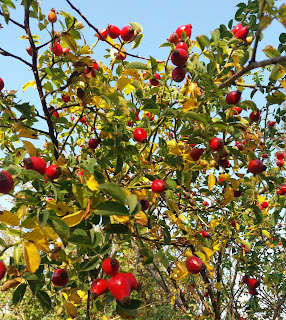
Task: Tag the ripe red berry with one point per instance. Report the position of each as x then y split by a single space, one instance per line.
127 33
204 234
280 155
194 265
224 163
66 98
53 172
253 283
95 65
254 116
154 81
120 287
56 48
237 110
54 113
233 97
83 120
66 50
98 286
103 34
110 266
93 143
279 192
253 292
182 45
134 283
29 50
60 277
216 144
271 123
159 186
242 33
264 204
283 189
256 166
2 270
140 135
264 155
245 279
187 28
178 74
236 28
280 163
144 204
205 203
36 163
173 38
179 57
6 182
206 294
1 84
114 32
196 153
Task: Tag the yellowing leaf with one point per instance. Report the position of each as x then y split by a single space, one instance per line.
266 233
92 183
38 238
75 298
224 176
122 83
121 219
141 218
283 83
71 309
9 218
201 255
23 132
176 151
61 161
31 83
210 269
207 251
218 286
73 219
69 40
31 256
190 104
235 184
216 247
30 148
228 195
128 89
214 223
211 181
132 72
60 207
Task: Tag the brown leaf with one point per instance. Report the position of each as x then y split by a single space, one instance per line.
11 283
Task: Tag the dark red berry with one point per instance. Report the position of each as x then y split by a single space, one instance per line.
256 166
120 287
93 143
110 266
6 182
29 50
173 38
253 292
127 33
98 286
2 270
204 234
236 28
114 32
95 65
53 172
154 81
66 98
178 74
54 113
233 97
264 155
254 116
144 204
1 84
245 279
56 48
237 110
271 123
159 186
280 163
196 153
216 144
253 283
134 283
194 265
60 277
140 135
36 163
280 155
83 120
179 57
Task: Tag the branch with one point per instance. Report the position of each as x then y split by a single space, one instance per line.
276 311
8 54
13 21
251 66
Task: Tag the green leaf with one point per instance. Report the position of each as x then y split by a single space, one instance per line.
80 194
19 294
117 228
8 3
136 66
61 228
91 264
5 13
137 40
200 117
109 208
43 217
133 304
203 41
133 204
154 64
271 52
136 26
114 191
45 301
80 240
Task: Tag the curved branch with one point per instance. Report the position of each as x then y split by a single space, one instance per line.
8 54
251 66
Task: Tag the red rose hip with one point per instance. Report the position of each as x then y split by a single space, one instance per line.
36 163
110 266
140 135
6 182
159 186
60 278
194 265
98 286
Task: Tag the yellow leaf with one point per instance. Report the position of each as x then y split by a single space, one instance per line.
71 309
9 218
211 181
283 83
200 255
132 72
75 298
31 256
104 318
121 219
216 247
190 104
122 83
266 233
207 251
141 218
73 219
29 84
128 89
30 148
235 184
38 238
176 151
228 195
92 183
214 224
210 269
60 207
24 132
50 233
61 161
218 286
224 176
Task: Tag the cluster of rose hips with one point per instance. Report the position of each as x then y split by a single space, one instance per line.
240 32
252 284
120 285
282 190
280 159
180 54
